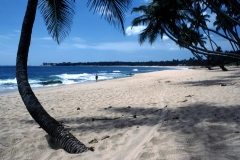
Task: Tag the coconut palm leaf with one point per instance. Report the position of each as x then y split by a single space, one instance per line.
58 16
111 10
141 20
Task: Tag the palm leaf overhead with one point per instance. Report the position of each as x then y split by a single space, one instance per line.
151 17
111 10
58 16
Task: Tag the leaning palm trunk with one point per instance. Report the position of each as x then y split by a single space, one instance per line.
49 124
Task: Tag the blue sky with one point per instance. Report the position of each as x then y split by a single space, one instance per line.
91 39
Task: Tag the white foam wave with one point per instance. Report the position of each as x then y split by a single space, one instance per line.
31 81
8 81
12 83
36 85
79 78
72 76
64 78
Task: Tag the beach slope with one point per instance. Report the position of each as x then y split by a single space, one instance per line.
175 114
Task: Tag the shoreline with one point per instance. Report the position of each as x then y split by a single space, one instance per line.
175 114
15 90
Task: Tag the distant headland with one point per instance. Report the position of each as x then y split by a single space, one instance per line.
189 62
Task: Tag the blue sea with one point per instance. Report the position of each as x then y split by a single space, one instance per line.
46 76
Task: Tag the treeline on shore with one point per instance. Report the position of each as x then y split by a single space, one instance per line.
190 62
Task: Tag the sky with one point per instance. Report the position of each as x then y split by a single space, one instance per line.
91 39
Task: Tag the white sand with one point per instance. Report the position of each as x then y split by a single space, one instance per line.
184 114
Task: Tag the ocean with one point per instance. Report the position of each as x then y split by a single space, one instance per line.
46 76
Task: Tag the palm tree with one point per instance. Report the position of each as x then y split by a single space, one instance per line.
158 15
185 21
58 16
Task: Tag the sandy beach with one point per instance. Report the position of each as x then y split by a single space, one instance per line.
166 115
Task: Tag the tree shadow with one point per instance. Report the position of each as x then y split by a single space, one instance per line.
230 80
191 120
114 118
206 83
52 143
139 116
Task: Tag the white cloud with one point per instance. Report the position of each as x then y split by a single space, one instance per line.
8 36
118 46
137 30
77 39
5 37
147 1
17 31
165 38
134 46
121 46
46 38
134 30
80 46
115 46
173 48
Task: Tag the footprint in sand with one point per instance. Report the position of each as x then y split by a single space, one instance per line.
103 146
216 127
117 137
14 153
164 139
218 147
136 131
53 154
174 151
147 155
10 141
155 141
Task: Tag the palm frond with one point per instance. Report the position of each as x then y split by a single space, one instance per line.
157 30
141 20
143 9
146 33
58 16
111 10
143 36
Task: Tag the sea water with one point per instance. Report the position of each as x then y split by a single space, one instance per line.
45 76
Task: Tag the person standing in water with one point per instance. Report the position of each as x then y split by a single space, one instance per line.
96 77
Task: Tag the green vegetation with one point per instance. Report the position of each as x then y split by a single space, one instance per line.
190 62
186 23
